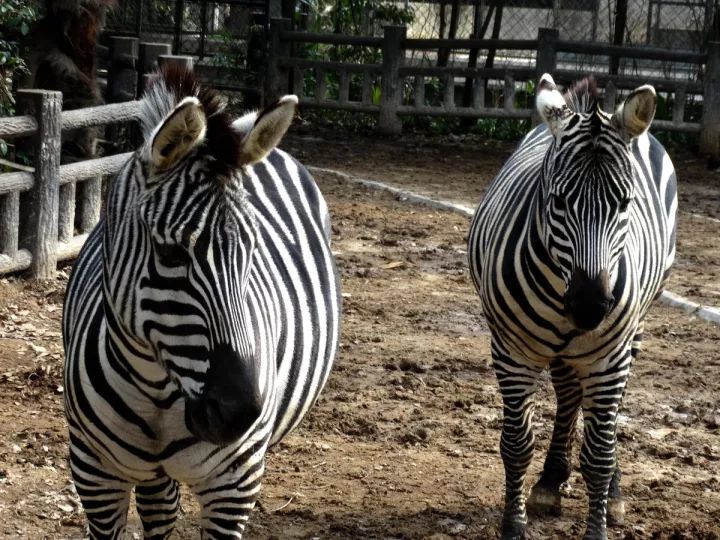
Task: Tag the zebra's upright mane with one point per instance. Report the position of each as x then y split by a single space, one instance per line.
169 87
582 96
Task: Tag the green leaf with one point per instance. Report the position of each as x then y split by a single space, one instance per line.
24 28
3 148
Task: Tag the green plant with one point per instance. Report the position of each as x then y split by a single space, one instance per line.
16 16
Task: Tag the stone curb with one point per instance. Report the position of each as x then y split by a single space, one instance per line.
707 313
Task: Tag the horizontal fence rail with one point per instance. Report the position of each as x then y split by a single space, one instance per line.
44 220
395 89
38 204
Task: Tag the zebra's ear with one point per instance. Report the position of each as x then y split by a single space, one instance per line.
179 134
634 116
269 127
551 105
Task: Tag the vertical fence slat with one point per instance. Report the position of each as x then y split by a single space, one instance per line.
710 121
367 88
393 56
679 105
546 60
344 89
610 97
320 84
148 61
66 212
276 80
449 92
419 91
39 224
9 223
478 94
509 93
90 200
298 82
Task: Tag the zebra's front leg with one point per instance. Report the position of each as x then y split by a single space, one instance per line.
228 500
517 385
104 496
545 495
602 395
157 504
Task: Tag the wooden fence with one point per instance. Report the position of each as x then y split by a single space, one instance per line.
47 211
403 87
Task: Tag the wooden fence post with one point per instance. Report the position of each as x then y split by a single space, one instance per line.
277 78
39 221
122 75
175 60
393 56
546 60
148 61
710 121
9 219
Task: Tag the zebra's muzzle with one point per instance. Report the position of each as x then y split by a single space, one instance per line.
588 300
231 401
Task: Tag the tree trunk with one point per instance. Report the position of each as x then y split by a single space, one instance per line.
619 33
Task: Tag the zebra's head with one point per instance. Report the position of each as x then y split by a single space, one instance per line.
182 248
589 190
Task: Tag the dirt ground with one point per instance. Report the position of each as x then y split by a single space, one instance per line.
403 443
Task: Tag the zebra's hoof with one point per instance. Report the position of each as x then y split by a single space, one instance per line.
544 502
513 530
615 512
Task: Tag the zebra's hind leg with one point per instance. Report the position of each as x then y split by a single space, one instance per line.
157 504
105 497
517 385
545 495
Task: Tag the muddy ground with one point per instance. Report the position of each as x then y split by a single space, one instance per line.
403 443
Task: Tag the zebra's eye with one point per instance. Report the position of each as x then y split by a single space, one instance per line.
625 204
172 255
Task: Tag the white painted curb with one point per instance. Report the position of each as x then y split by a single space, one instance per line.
707 313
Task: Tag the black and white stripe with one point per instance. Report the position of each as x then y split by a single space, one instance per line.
201 319
572 242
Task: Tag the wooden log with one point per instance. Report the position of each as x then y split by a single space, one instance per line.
307 63
610 97
367 88
176 60
464 112
277 75
645 53
478 101
509 93
330 39
508 44
710 121
66 212
393 55
17 263
9 223
122 80
309 102
90 200
449 92
101 115
39 215
16 181
679 105
104 166
344 87
419 91
19 126
320 85
546 61
298 85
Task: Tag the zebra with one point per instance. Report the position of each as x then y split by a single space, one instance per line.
202 316
573 240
